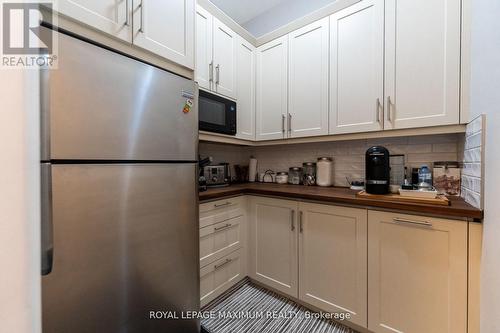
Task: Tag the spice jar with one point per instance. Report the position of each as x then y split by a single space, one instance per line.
282 177
324 175
309 173
295 176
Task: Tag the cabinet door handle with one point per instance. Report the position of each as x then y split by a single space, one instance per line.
141 27
223 227
290 122
301 225
377 108
406 221
227 203
389 108
211 71
217 74
283 123
292 221
127 14
216 267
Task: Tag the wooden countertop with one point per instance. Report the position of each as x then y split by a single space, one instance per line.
458 208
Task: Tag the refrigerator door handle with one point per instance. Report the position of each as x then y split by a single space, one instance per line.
47 242
44 113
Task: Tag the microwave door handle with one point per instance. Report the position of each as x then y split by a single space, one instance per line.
47 242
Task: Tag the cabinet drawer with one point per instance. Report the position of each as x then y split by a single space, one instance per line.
220 276
220 210
218 240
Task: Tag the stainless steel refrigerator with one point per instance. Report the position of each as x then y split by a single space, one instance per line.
119 195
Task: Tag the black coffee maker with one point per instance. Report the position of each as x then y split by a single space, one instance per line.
378 171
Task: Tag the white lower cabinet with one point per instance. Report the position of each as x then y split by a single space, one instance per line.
220 275
417 274
391 272
223 249
273 243
333 259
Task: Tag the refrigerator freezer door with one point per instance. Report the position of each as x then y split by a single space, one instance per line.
101 105
125 243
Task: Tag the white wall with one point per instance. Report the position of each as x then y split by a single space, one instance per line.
19 208
485 98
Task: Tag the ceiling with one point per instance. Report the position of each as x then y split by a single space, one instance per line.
263 16
243 11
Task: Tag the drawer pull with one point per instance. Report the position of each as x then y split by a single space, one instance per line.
419 223
216 267
222 204
293 220
223 227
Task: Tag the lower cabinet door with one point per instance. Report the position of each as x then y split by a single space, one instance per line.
273 243
333 259
220 275
417 274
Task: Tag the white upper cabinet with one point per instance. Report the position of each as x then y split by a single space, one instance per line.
308 80
216 52
203 59
417 274
357 68
422 69
110 16
224 51
166 28
273 243
271 90
245 87
333 259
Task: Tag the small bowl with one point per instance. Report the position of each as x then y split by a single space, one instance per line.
394 188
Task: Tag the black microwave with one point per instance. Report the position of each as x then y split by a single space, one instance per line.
216 113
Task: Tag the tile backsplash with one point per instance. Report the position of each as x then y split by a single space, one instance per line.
472 150
349 156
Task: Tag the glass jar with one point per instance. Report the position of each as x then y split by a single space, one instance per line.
324 173
295 176
309 173
282 177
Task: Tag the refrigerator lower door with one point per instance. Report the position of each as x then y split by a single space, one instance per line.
125 244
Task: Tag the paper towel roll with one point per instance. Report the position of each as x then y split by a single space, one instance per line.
252 169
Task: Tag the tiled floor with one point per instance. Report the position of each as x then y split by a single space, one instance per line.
248 308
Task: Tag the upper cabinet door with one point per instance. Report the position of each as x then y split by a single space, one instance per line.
224 51
166 28
110 16
422 63
246 90
308 80
357 68
417 274
272 77
203 60
333 259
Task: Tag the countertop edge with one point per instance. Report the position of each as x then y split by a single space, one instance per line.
442 211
